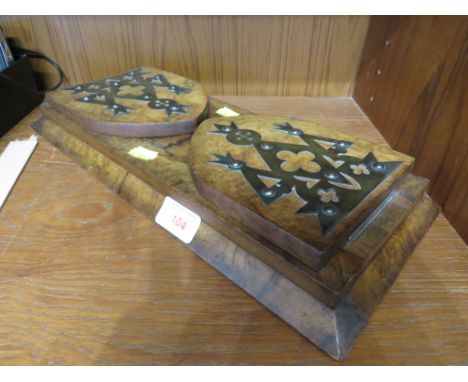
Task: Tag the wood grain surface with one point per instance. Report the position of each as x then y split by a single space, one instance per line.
241 55
153 116
86 279
415 92
299 235
332 330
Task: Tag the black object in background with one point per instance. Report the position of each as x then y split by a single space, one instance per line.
18 88
18 93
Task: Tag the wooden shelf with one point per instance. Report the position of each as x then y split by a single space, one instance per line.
87 279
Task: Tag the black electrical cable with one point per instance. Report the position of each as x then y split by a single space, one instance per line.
17 51
36 55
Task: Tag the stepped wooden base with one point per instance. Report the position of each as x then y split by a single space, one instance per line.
328 310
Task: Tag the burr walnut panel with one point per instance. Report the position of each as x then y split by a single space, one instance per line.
138 103
297 183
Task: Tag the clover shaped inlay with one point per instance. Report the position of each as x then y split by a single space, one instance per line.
359 169
302 160
328 195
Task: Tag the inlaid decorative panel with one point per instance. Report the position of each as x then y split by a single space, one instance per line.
140 102
312 182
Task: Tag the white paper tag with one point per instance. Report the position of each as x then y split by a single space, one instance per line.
178 220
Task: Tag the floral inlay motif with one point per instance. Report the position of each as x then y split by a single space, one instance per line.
327 196
302 160
359 169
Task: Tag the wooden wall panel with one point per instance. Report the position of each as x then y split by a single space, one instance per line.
235 55
412 83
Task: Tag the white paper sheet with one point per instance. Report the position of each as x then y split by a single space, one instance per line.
12 161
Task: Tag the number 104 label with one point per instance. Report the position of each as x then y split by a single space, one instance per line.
178 220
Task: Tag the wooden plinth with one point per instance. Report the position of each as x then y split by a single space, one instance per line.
332 321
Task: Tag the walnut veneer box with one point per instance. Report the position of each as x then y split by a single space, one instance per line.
313 223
